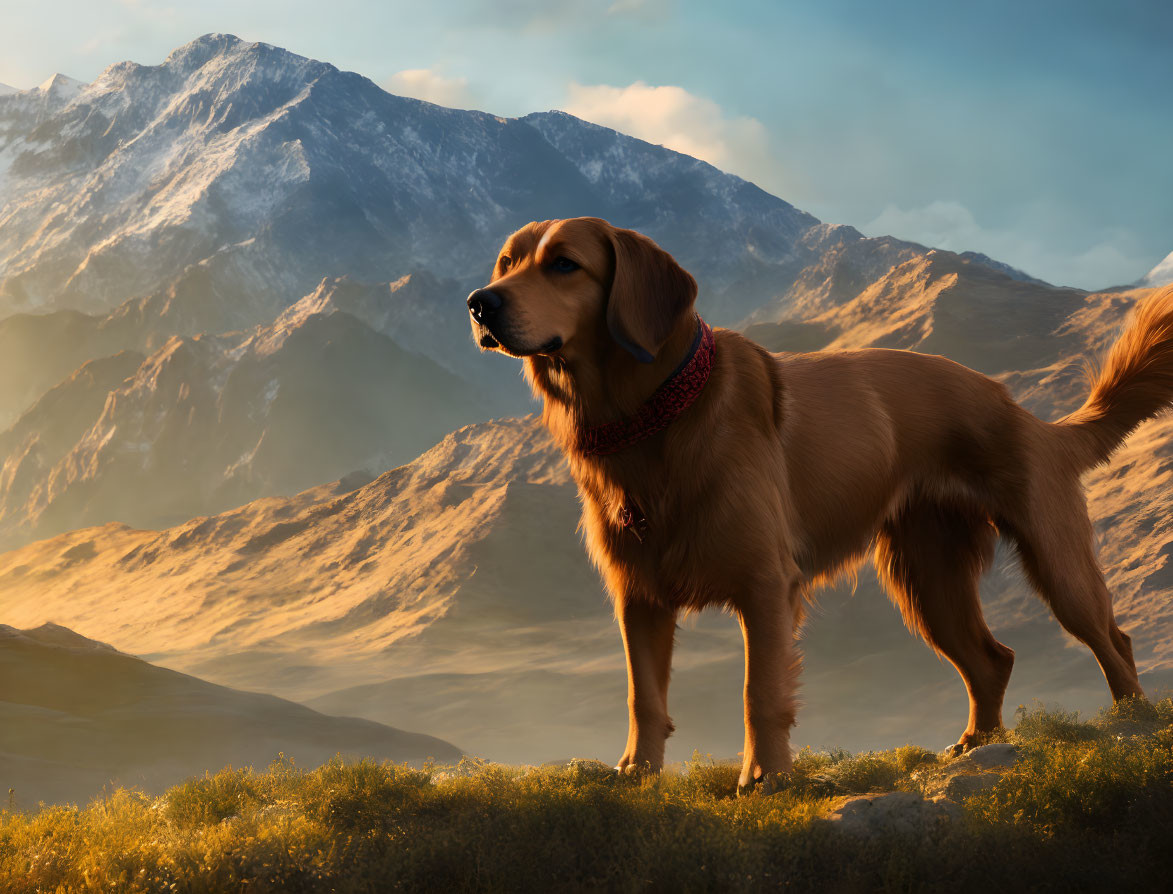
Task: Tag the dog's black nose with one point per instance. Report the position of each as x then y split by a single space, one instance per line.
483 303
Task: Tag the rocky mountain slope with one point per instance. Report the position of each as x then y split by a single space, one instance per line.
76 714
452 594
942 303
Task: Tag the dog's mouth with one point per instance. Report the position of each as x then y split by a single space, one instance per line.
492 341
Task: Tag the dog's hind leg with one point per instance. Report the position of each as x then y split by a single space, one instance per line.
930 558
1057 548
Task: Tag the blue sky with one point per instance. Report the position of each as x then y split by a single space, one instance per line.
1036 131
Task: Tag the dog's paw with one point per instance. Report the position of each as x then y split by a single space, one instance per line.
767 784
633 768
970 741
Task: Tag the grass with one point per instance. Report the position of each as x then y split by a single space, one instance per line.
1089 807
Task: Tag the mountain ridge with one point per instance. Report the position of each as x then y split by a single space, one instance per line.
78 714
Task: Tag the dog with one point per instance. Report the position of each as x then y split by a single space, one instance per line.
714 473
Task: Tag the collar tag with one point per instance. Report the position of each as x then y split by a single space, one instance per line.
632 518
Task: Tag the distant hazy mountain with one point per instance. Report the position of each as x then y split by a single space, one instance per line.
453 595
208 422
76 715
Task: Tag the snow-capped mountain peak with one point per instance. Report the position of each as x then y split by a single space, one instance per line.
1161 275
61 87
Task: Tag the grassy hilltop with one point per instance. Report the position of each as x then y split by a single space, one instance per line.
1088 806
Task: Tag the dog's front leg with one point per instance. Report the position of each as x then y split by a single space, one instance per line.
648 631
771 677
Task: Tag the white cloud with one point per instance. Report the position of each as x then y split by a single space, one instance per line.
1107 261
677 119
948 225
429 84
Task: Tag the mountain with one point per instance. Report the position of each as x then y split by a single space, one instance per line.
942 303
1161 275
208 422
236 186
419 311
24 110
355 571
256 173
76 715
452 594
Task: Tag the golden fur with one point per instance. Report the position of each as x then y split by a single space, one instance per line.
789 468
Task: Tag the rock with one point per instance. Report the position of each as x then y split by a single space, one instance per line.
962 786
974 772
584 769
989 757
899 812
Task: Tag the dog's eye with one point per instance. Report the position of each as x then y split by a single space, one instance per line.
505 262
563 265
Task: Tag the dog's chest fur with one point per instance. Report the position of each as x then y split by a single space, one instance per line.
697 514
669 532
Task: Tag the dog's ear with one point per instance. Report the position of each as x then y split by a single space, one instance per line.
649 293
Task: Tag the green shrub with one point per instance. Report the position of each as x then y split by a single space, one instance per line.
913 757
212 799
705 778
869 772
1042 725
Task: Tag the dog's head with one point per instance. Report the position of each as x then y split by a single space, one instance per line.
560 285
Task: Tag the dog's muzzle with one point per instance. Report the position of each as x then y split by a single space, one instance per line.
483 305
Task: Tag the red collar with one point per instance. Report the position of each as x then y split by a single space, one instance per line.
673 397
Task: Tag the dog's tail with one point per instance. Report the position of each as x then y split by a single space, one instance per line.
1134 384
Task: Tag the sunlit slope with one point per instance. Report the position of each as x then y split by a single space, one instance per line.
340 572
76 715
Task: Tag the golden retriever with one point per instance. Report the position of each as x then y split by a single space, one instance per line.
783 470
